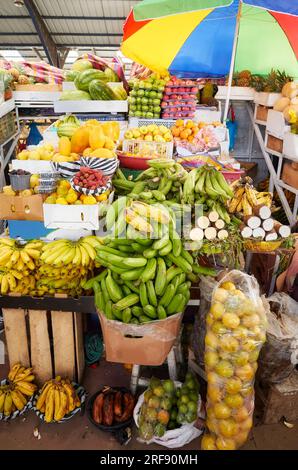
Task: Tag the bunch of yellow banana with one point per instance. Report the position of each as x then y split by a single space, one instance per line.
57 398
15 395
63 252
246 197
17 256
15 281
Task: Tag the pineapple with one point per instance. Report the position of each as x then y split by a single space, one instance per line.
242 81
245 74
257 82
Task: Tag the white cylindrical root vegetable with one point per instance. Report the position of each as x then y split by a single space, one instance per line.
213 216
262 211
270 236
203 222
246 232
196 234
283 230
210 233
222 234
258 232
268 225
219 224
253 221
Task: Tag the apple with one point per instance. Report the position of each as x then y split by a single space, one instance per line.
194 89
167 90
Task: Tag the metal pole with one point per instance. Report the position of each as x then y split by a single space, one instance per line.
232 61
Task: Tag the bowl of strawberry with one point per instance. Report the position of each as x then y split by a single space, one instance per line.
89 181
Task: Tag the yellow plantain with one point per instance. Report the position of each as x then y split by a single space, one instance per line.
50 402
90 250
84 256
11 281
16 274
7 241
20 264
43 395
24 375
7 408
56 403
15 257
14 371
247 209
25 257
4 285
63 403
27 388
70 395
5 257
78 256
34 254
265 200
251 195
2 400
93 240
18 399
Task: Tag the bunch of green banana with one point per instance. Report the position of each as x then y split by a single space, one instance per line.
162 181
57 398
206 182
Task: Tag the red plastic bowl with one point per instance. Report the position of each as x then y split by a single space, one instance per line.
231 176
134 163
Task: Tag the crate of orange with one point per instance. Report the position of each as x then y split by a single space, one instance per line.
185 130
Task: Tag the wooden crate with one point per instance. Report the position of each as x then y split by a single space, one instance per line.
261 114
273 144
51 342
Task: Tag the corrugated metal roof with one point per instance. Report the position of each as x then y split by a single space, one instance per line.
82 24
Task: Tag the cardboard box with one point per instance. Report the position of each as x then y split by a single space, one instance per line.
71 216
261 114
21 208
273 144
147 344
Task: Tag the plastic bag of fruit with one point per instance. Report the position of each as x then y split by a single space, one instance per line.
236 331
167 411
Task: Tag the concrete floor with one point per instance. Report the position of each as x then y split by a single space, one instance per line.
80 434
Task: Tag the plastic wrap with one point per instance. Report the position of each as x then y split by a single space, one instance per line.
207 285
279 356
236 326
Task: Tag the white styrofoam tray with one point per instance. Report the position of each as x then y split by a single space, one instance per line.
89 106
71 217
276 124
290 147
42 96
266 99
34 166
237 93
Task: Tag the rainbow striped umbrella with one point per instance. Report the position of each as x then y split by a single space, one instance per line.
197 38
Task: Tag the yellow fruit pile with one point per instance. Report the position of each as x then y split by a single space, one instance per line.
235 334
151 133
66 195
8 191
57 398
15 395
38 268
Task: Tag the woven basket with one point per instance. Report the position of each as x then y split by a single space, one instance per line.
262 246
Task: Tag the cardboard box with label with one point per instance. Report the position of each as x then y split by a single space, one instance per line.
21 207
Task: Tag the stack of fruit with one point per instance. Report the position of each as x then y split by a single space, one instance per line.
149 271
195 137
65 194
179 100
235 334
65 266
246 198
17 391
43 152
147 141
18 264
57 399
145 97
112 407
163 181
167 407
38 268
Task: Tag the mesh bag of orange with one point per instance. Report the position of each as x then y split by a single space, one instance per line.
236 331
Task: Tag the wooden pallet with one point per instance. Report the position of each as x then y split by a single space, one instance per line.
51 342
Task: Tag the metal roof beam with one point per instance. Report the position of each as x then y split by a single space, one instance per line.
66 17
23 33
71 45
43 33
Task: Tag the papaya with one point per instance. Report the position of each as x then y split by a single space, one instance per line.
80 140
97 138
64 146
102 153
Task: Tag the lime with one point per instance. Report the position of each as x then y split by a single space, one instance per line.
166 403
184 399
192 406
172 425
158 391
159 430
190 417
140 93
169 386
180 418
178 392
190 383
183 409
193 396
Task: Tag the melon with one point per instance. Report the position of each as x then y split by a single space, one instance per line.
290 90
281 104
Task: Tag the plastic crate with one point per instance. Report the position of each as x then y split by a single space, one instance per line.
138 122
146 148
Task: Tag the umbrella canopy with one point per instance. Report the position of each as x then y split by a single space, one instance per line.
194 38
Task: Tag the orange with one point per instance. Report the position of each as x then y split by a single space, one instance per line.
227 427
228 343
228 285
245 373
222 443
208 442
190 138
224 369
175 131
211 359
222 411
211 340
190 124
212 425
179 123
234 401
246 425
230 320
195 130
241 414
214 393
212 378
217 309
233 385
220 295
184 134
251 320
